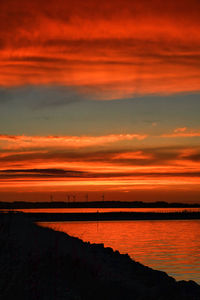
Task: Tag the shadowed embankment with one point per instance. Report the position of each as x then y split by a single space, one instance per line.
39 263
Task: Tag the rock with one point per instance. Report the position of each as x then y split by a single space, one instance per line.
39 263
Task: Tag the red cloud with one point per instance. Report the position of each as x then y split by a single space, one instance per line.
109 50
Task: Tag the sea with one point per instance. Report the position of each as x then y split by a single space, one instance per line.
172 246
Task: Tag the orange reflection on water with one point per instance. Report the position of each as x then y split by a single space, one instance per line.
101 210
171 246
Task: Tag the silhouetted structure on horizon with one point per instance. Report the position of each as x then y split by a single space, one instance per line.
94 204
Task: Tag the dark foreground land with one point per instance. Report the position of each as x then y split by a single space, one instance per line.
96 204
39 263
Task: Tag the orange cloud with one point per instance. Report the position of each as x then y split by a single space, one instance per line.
132 155
104 160
107 50
183 132
22 141
57 169
180 129
188 153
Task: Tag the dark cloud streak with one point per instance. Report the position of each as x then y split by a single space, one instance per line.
63 174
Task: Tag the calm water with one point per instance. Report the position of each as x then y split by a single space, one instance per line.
170 246
84 210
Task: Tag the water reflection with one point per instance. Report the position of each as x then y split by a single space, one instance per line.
171 246
93 210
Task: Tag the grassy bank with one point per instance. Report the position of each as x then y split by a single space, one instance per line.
39 263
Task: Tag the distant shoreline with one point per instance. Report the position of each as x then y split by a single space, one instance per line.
111 216
95 204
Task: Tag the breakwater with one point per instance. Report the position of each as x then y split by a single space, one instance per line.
39 263
112 216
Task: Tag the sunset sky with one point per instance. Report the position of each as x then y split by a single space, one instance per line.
100 97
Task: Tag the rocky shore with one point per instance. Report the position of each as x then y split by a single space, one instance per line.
40 263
